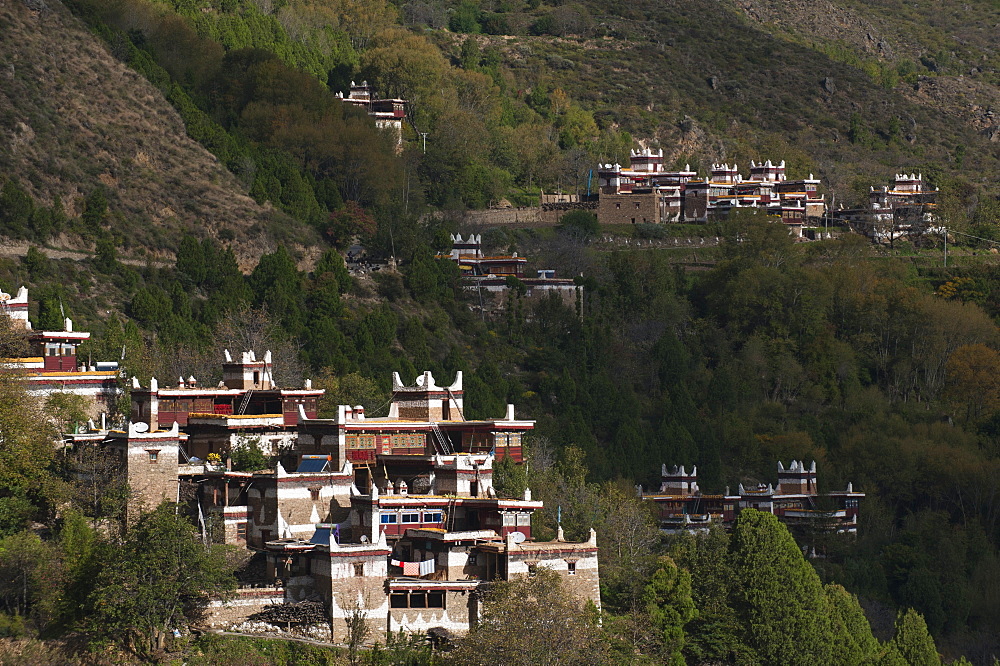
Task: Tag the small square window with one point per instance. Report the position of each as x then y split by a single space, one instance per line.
389 519
618 205
153 456
472 558
571 568
411 517
359 568
532 568
314 494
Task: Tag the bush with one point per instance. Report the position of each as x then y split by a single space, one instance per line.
650 231
465 18
580 221
12 626
247 456
390 285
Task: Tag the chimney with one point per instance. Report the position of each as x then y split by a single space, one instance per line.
154 405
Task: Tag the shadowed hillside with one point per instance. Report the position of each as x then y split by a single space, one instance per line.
73 118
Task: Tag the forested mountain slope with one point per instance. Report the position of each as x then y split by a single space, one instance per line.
880 366
845 90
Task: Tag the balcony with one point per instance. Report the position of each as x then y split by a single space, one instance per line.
237 421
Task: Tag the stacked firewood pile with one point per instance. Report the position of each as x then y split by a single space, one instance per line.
304 613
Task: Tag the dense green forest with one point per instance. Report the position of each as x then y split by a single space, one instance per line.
882 368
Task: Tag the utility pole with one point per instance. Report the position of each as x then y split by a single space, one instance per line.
424 135
946 247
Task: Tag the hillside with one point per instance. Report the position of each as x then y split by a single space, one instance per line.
840 90
73 118
866 360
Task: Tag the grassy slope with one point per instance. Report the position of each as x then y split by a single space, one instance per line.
72 116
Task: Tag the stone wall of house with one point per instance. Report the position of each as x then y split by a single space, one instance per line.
628 209
460 612
293 503
151 465
506 217
575 562
222 614
353 580
569 294
696 205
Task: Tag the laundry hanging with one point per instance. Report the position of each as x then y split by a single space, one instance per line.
411 568
426 567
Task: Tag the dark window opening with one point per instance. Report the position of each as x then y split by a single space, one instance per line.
435 599
418 599
397 600
359 568
571 568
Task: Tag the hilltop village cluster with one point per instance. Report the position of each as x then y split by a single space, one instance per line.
394 519
644 192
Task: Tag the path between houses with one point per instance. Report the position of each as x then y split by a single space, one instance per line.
310 641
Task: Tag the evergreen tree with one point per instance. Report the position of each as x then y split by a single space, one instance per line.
191 260
16 209
913 641
777 595
853 639
95 208
669 608
277 284
713 635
